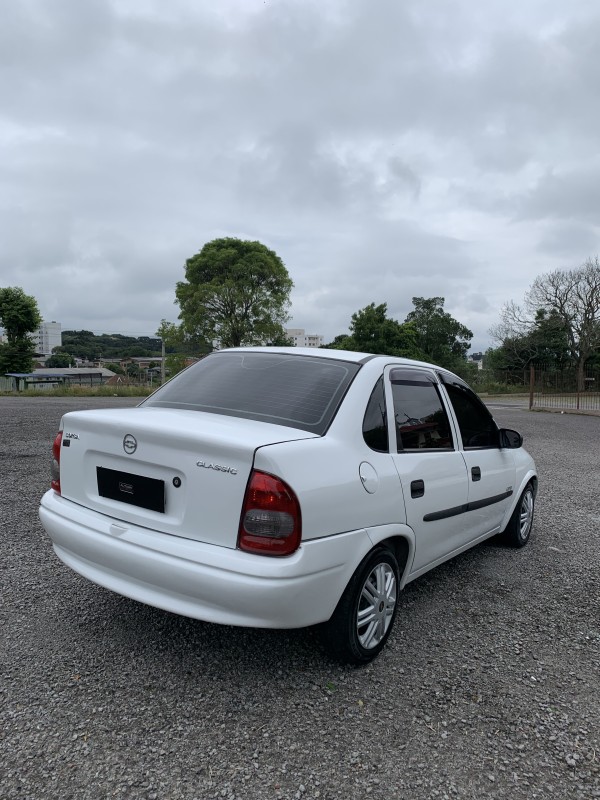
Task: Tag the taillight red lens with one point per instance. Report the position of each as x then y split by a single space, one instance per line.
55 483
271 522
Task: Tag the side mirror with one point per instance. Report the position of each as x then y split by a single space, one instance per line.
510 439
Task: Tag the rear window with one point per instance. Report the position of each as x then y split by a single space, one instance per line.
297 391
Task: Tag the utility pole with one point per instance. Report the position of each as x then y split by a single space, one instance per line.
162 361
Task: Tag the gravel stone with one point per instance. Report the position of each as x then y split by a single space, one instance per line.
488 688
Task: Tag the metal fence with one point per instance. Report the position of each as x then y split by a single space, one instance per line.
562 389
7 384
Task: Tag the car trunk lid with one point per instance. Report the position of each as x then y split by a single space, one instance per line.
181 472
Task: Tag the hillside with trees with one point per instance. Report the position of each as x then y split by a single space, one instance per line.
91 347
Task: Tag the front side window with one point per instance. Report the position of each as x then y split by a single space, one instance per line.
421 419
476 424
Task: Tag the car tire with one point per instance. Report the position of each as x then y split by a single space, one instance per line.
518 530
365 614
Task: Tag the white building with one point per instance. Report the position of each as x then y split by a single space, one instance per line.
302 339
47 337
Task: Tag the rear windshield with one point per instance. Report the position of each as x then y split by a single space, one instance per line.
297 391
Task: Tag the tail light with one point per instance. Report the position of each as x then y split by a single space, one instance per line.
55 471
270 523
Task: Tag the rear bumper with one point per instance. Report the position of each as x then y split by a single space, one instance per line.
204 581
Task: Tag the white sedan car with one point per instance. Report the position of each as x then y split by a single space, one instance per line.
285 487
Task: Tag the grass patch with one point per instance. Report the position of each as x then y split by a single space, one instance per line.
492 387
85 391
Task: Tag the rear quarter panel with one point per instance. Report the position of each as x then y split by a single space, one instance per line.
324 472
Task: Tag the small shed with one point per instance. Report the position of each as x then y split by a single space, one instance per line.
52 378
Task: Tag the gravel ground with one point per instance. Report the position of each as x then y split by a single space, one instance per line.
488 688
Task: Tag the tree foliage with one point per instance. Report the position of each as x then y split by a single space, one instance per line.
372 331
60 360
236 292
443 339
90 347
574 297
427 334
543 341
559 323
116 368
19 316
180 346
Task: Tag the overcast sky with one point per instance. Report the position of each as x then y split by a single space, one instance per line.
383 148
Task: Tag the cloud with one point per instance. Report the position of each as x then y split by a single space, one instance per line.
384 150
566 238
574 195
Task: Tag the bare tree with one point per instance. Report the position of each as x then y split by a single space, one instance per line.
574 295
514 323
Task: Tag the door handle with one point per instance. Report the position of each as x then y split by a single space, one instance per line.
476 473
417 488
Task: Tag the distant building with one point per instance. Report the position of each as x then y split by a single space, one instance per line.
302 339
47 337
476 358
51 378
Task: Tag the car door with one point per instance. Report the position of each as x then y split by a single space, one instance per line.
490 469
431 467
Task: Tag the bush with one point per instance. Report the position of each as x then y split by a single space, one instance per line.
86 391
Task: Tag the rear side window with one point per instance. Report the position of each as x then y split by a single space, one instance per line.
297 391
477 426
375 428
421 419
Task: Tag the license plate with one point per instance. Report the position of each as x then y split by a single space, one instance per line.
136 490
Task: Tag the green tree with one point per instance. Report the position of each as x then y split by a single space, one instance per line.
174 363
281 339
441 338
171 334
236 292
338 343
573 296
60 360
562 307
136 352
179 346
545 341
116 368
372 331
19 316
178 341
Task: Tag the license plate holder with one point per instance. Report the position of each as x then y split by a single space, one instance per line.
135 490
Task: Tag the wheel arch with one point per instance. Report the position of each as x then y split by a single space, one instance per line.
529 478
401 541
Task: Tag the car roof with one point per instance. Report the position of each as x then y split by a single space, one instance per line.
340 355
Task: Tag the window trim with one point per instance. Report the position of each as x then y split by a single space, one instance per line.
432 377
454 381
387 416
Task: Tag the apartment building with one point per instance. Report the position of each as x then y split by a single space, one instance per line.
47 337
300 338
